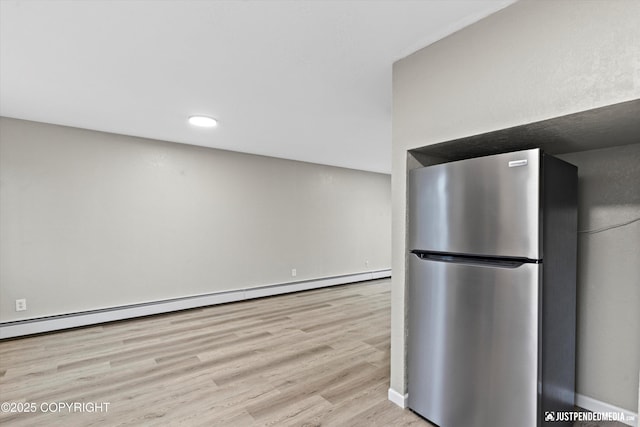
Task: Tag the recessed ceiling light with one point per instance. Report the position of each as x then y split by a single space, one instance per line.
203 121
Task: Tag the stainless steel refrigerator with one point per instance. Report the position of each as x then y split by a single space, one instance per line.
491 298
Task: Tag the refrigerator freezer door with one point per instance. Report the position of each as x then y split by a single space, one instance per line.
484 206
473 343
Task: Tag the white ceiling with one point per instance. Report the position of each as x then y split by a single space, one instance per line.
303 80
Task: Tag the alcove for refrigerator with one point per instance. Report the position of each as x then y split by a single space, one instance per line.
492 277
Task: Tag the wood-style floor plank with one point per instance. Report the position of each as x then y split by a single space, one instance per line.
312 358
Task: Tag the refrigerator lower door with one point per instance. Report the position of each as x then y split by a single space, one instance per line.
473 343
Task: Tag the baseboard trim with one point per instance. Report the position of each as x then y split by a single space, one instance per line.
594 405
585 402
397 398
54 323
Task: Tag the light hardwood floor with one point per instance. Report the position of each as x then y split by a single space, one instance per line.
307 359
315 358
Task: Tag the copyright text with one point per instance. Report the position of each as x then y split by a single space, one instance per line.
54 407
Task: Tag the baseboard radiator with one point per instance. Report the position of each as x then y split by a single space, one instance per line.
86 318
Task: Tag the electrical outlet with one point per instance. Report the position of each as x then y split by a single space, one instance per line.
294 272
21 304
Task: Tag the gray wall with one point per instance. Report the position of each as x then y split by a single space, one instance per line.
90 220
608 336
531 61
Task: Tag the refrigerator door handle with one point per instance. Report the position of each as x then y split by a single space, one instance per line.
474 259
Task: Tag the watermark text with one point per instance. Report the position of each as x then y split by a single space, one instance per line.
586 416
54 407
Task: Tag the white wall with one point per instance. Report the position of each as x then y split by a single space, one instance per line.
91 220
531 61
